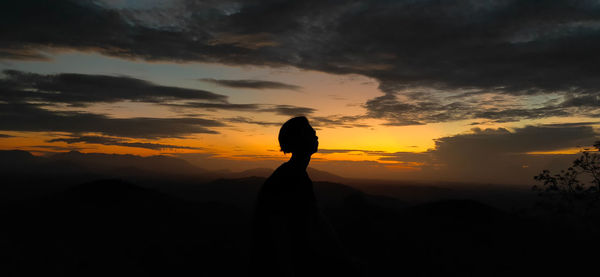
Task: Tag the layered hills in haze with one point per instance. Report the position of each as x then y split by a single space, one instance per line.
75 214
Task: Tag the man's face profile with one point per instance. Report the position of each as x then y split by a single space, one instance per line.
297 136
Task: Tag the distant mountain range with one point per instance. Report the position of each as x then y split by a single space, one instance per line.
120 165
16 161
25 174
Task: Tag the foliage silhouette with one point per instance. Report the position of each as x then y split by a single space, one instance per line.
575 190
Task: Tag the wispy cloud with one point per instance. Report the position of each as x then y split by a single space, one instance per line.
119 142
247 120
251 84
82 89
29 117
286 110
52 148
289 110
338 121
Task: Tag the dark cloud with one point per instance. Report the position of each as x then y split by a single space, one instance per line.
407 157
78 89
6 136
571 124
492 155
501 44
400 113
315 121
509 115
521 140
118 142
582 101
285 110
218 106
246 120
334 121
53 148
500 155
23 54
83 89
252 84
509 47
337 151
289 110
29 117
428 108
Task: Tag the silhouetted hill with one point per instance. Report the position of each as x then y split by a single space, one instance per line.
26 175
8 157
456 211
324 176
18 161
243 191
109 162
412 193
96 163
505 197
182 229
255 172
57 222
113 227
315 174
113 193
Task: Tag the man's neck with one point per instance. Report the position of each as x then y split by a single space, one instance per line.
300 161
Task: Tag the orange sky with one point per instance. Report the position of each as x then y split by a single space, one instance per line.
243 144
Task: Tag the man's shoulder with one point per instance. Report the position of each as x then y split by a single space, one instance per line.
276 176
281 179
282 171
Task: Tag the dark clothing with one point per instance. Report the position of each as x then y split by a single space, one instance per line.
290 234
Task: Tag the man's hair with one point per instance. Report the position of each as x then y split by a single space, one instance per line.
291 132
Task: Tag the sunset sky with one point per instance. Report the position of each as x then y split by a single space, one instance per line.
475 91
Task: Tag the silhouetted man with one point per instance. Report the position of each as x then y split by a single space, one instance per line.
291 236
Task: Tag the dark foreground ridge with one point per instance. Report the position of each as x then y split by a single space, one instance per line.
172 227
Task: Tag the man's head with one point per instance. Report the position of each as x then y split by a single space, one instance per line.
297 136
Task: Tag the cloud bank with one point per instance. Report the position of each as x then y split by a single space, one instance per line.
504 47
486 155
